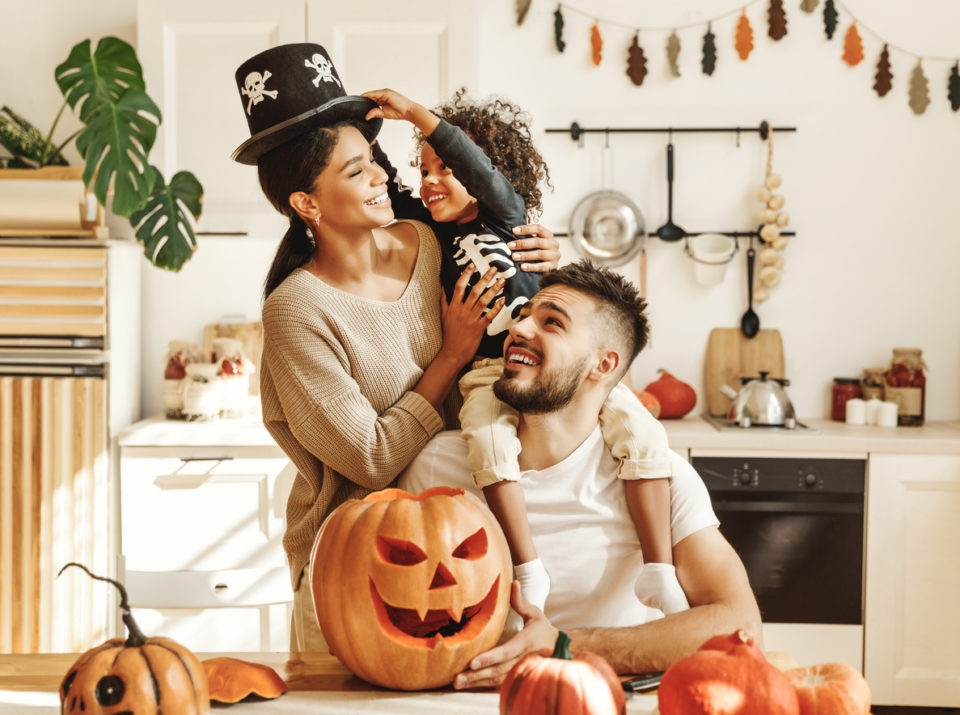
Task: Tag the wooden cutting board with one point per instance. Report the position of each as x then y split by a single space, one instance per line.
249 334
731 356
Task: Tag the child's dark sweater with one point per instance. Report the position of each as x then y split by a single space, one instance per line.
482 240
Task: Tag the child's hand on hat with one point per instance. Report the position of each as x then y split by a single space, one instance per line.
392 104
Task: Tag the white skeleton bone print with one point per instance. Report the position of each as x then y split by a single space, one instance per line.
323 68
486 252
253 87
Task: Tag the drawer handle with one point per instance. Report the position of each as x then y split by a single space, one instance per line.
220 588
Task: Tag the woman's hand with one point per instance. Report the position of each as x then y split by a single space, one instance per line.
489 669
538 254
470 311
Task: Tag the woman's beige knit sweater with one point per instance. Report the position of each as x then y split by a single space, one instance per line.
335 383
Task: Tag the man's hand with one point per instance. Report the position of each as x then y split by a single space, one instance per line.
489 669
538 254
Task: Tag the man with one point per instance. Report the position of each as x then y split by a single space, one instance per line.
573 342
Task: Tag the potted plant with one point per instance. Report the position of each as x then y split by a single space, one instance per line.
105 89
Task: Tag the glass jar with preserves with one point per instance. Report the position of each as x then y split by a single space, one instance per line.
906 384
201 392
180 354
844 388
234 370
871 382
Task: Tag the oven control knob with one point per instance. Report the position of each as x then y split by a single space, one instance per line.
745 478
810 479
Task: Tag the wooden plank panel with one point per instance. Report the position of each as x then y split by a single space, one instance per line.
6 515
53 291
85 329
16 541
52 311
35 513
44 254
54 273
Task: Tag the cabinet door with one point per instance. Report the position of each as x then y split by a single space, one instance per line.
425 50
189 51
913 576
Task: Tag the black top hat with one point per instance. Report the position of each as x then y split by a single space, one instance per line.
290 89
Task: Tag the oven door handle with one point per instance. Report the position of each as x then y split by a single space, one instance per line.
788 506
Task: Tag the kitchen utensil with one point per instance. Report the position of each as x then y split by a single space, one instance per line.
730 355
643 683
711 252
670 231
606 226
750 322
760 401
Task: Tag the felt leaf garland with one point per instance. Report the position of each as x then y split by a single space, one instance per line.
596 44
829 18
744 41
709 62
558 30
673 53
636 62
809 5
776 20
884 77
953 93
852 47
919 90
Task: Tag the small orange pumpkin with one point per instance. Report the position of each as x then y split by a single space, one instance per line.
650 401
230 680
138 675
831 689
409 588
727 676
676 397
560 683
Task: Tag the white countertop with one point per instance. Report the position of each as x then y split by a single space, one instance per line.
692 432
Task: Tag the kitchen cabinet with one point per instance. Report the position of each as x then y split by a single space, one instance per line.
912 578
190 51
191 501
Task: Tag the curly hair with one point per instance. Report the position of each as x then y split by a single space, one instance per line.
501 129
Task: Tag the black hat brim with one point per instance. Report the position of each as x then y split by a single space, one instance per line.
339 109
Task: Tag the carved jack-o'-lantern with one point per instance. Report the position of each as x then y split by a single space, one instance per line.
136 676
408 588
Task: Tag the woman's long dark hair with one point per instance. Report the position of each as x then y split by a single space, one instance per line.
291 167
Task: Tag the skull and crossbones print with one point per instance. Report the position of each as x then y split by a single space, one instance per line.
253 87
323 68
485 252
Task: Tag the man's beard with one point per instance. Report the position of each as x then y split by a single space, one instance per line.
548 393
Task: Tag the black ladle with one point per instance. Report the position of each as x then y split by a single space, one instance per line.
670 231
750 322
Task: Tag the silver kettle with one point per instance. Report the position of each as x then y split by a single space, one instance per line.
760 401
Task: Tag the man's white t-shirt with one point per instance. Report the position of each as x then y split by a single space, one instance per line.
580 524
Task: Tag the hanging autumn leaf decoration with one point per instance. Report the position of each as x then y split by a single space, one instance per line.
919 90
884 77
673 53
596 44
558 29
709 62
809 5
829 18
636 62
744 42
953 93
522 7
776 20
852 47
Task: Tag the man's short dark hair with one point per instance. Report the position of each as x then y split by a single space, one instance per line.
622 310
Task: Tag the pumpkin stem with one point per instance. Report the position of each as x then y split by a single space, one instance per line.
135 636
562 648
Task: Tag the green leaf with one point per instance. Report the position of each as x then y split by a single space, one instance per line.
163 225
92 80
115 143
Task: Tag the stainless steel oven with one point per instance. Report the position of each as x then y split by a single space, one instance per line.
798 526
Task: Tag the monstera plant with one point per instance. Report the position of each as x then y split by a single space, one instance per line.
106 91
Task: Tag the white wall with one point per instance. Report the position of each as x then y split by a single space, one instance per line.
870 187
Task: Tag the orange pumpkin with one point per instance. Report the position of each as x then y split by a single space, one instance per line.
138 675
650 401
728 676
831 689
409 588
561 682
230 680
676 397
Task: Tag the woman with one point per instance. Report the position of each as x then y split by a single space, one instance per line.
358 355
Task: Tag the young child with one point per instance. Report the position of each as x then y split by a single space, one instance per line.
480 176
